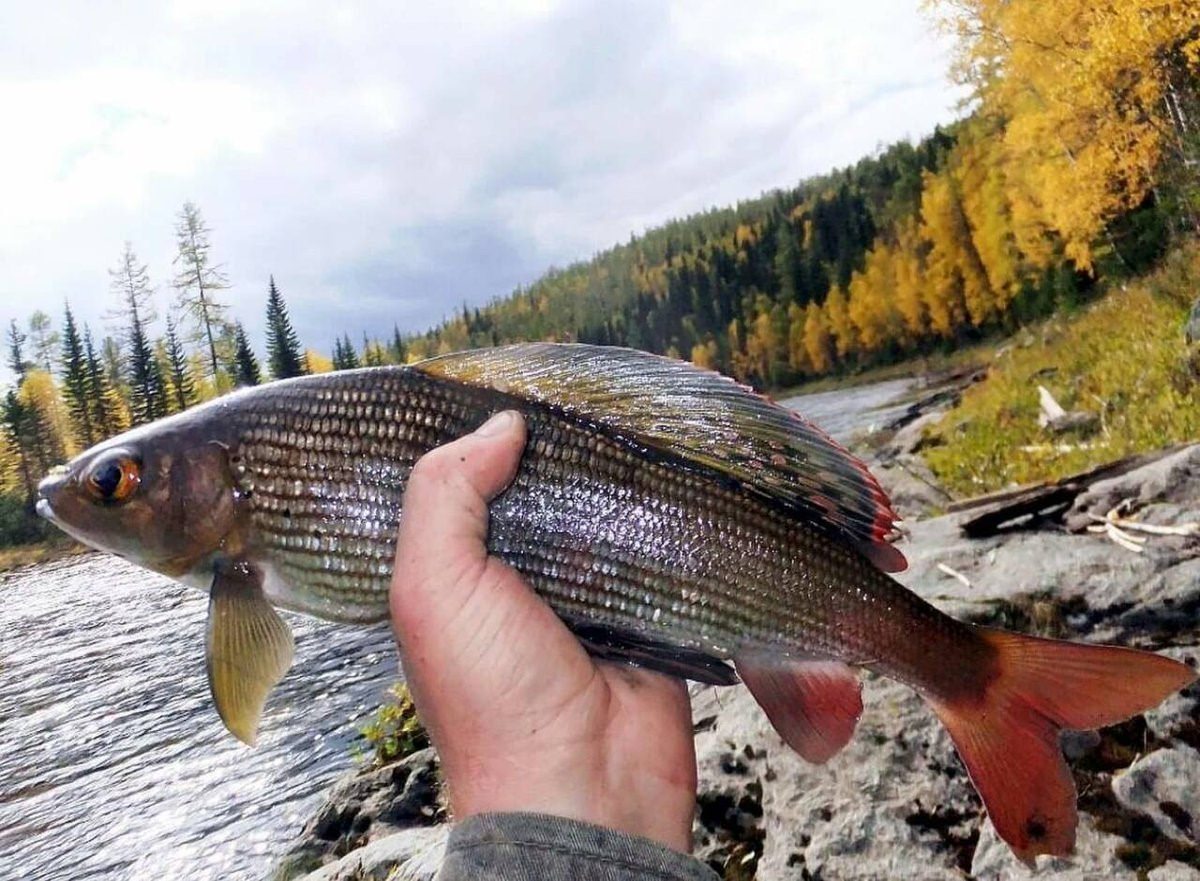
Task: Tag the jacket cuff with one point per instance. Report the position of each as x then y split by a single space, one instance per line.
520 846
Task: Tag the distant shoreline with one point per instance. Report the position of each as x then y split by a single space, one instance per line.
19 556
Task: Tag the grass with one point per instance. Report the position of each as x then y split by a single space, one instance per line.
1122 357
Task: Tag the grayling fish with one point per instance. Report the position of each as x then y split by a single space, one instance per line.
672 518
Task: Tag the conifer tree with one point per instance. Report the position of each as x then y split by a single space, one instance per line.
199 280
787 266
246 371
108 412
76 384
17 422
344 356
147 392
372 353
398 350
114 360
43 425
183 387
43 339
16 351
284 352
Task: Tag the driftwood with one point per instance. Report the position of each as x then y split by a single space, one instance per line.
1120 524
1017 508
1060 421
947 394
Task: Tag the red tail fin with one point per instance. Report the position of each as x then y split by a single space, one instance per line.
1008 737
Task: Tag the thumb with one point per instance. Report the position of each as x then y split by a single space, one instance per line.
441 551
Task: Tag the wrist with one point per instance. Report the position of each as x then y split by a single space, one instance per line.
660 811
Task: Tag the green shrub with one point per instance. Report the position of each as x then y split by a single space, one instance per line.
395 731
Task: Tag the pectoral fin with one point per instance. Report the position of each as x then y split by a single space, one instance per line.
248 648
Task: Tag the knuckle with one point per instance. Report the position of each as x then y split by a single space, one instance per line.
436 466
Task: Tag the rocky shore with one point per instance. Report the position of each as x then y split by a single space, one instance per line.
896 802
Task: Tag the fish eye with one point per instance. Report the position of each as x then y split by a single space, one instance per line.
113 478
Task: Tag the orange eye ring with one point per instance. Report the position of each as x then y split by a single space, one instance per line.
113 479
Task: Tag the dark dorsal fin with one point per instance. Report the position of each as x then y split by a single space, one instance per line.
701 417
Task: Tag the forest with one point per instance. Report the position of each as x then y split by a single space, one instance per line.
1076 162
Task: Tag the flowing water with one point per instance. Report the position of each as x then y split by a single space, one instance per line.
113 763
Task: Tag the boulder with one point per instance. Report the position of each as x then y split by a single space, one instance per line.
1165 785
367 804
411 855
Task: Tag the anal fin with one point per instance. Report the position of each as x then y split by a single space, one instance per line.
248 648
814 705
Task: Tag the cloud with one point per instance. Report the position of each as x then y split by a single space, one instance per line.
388 162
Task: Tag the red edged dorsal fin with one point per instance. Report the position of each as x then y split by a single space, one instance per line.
814 705
701 417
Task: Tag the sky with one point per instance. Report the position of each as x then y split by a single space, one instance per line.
390 161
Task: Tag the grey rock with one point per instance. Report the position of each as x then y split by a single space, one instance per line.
911 486
367 804
1075 422
1178 717
1173 480
911 438
1095 857
1191 330
1165 785
1173 871
410 855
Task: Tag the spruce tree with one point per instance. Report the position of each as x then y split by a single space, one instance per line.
198 280
183 389
107 409
17 421
246 370
76 385
147 392
16 351
284 354
344 356
399 351
113 359
43 338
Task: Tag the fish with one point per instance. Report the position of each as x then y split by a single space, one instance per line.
672 518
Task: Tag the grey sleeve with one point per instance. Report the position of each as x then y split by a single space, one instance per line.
537 847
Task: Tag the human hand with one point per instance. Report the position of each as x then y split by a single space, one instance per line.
522 717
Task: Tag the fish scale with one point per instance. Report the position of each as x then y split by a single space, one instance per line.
669 548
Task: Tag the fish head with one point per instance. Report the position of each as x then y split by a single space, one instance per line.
161 496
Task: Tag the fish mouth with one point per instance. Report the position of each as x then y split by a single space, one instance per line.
48 487
44 510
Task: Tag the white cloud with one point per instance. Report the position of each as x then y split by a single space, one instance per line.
387 161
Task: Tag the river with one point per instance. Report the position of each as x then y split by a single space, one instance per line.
113 763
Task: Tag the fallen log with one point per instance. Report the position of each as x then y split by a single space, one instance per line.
1041 502
947 394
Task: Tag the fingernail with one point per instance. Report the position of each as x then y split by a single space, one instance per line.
497 425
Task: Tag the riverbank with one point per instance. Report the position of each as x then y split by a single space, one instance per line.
19 556
1121 366
895 802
